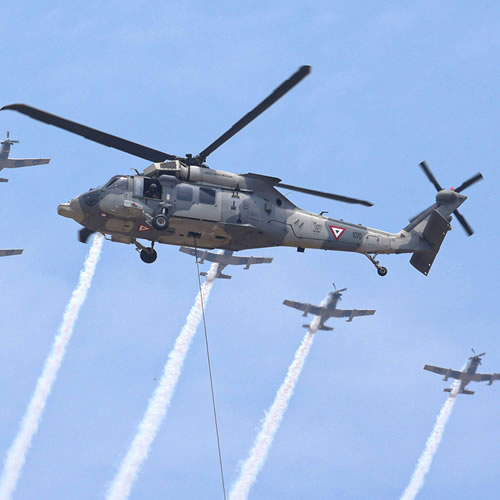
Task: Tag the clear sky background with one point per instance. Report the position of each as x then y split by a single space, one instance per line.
392 83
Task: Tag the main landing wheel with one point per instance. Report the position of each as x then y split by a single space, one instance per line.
160 222
382 271
148 255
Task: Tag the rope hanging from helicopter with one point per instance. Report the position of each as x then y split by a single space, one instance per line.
210 372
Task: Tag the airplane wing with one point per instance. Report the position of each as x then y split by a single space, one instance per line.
350 313
23 162
445 371
483 377
226 258
5 253
301 306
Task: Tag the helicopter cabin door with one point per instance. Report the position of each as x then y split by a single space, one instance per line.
197 202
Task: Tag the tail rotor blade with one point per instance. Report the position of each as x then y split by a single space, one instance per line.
464 223
466 184
430 175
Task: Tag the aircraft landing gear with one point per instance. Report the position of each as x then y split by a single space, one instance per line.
160 222
381 270
147 254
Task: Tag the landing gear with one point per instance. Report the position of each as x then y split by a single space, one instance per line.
148 255
160 222
382 271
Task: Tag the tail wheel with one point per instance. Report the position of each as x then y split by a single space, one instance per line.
148 255
382 271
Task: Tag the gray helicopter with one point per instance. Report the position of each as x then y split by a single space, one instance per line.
180 201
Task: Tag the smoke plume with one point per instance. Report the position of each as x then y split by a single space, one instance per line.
160 401
431 446
273 417
16 455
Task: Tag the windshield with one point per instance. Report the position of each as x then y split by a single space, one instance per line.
118 182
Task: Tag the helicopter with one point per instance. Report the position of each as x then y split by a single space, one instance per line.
181 201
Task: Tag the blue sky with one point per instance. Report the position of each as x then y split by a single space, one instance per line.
392 83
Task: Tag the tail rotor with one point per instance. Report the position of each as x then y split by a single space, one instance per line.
469 182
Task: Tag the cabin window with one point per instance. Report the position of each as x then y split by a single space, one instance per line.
184 193
207 196
152 189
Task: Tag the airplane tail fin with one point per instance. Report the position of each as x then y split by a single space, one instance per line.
428 229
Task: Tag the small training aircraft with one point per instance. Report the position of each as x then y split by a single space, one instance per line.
5 162
6 253
224 259
329 310
466 376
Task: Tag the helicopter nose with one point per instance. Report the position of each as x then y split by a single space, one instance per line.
72 210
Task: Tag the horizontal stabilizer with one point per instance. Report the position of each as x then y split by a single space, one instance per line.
322 327
23 162
218 275
3 179
434 233
465 391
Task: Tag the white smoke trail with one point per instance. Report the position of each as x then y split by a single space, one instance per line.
431 446
160 401
273 417
16 455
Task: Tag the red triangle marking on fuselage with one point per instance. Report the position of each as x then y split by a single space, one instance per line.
337 231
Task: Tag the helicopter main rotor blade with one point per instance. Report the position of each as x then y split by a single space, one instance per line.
287 85
464 223
92 134
430 176
469 182
322 194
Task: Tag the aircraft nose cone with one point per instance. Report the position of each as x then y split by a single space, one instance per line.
72 210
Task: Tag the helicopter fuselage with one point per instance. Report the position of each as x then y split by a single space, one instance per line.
215 209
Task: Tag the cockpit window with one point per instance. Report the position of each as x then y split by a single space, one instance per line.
118 183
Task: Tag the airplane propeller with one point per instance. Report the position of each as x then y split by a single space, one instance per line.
156 155
8 141
475 178
477 356
339 291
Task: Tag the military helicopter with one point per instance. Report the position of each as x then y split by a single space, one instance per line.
181 201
